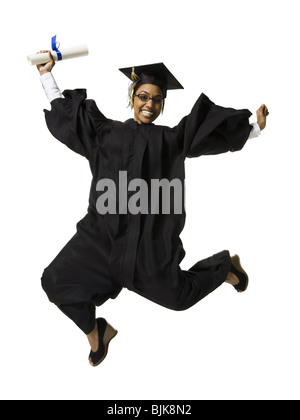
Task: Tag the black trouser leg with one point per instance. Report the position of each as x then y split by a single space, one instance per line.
83 314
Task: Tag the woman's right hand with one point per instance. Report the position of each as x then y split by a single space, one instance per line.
47 67
262 114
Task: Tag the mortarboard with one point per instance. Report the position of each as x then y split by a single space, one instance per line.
155 74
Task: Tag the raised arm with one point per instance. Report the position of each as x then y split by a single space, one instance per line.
49 84
73 120
211 129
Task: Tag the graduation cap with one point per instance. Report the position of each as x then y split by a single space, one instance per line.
155 74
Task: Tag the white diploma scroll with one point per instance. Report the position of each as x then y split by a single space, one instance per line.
66 53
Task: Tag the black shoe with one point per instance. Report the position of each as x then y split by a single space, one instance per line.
106 333
241 274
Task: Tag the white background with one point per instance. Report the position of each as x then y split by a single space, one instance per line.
229 346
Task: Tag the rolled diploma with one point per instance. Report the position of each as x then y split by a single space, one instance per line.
73 52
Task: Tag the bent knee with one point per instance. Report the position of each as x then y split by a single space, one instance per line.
179 306
48 282
174 302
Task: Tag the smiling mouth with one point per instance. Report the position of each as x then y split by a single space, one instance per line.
147 114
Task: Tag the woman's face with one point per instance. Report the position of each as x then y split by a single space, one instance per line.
147 112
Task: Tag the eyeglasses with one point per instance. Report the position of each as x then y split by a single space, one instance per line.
145 98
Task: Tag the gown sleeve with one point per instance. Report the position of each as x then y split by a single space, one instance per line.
211 129
75 121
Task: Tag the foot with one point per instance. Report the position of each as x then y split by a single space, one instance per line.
232 279
237 276
99 340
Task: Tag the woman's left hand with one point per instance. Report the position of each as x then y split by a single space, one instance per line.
262 114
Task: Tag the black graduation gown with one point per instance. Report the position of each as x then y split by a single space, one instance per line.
141 252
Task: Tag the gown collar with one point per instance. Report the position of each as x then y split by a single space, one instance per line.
134 123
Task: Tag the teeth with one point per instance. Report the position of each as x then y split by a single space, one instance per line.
147 113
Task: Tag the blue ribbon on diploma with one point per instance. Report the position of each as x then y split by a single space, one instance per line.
55 46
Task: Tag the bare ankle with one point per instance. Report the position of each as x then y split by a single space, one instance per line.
93 338
232 279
